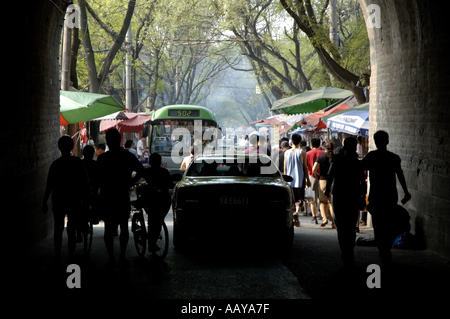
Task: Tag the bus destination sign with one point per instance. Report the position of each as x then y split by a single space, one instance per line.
184 113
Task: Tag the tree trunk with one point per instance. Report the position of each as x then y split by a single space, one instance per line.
347 78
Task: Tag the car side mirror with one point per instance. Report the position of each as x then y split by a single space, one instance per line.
287 178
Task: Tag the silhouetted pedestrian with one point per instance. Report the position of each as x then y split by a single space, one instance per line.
116 167
384 166
157 198
347 179
99 150
91 167
68 185
129 148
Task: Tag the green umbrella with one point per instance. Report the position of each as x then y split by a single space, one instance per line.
77 107
310 101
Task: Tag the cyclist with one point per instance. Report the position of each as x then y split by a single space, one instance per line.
157 198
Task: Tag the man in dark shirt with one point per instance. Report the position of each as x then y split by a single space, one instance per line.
349 192
158 198
115 176
384 167
68 185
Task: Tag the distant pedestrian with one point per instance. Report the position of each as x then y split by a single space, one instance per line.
188 159
129 147
116 167
321 168
254 144
99 149
311 158
68 184
384 166
140 147
346 176
284 146
296 167
92 172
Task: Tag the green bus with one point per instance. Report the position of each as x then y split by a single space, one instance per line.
174 128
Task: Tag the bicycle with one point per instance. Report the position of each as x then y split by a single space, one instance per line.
139 229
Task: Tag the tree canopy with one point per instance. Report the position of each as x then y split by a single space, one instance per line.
187 51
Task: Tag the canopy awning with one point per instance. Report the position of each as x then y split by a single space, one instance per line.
134 123
77 107
315 118
310 101
351 121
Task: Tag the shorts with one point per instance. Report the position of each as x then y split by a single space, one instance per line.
315 187
299 195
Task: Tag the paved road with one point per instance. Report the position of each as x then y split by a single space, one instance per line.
312 270
208 275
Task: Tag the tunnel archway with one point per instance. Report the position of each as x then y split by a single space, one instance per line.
408 98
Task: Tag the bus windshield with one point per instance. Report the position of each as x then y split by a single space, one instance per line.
169 132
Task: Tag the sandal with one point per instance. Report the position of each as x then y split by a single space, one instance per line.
296 221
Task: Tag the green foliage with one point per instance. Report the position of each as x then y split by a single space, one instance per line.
161 64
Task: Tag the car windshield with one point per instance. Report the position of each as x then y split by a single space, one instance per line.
233 167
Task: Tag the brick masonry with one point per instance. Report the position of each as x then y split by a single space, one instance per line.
31 129
409 99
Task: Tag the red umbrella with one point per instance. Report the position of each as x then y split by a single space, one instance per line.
315 118
134 123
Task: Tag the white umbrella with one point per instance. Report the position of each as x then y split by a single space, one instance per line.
351 122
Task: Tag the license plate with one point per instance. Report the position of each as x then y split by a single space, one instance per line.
225 200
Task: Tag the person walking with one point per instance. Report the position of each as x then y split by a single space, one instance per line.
296 167
346 176
383 167
320 169
129 148
311 158
68 184
140 147
158 198
188 159
284 146
115 178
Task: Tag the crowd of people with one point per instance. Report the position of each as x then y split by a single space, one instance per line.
336 177
101 182
338 180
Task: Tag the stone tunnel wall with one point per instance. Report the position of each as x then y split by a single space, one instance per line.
409 98
31 129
